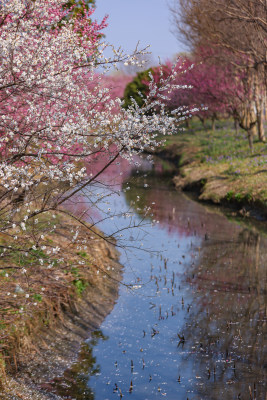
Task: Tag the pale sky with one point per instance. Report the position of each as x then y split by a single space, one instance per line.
148 21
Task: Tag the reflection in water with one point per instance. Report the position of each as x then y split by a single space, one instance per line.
74 383
228 317
192 326
226 325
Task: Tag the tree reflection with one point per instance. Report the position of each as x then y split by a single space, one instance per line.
226 322
74 384
228 316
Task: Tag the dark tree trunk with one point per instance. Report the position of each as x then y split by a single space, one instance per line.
236 126
202 121
213 126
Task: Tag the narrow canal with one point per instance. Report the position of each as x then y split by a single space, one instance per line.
192 324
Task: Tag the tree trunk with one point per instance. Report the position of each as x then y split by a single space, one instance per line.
236 126
213 126
259 97
260 125
254 130
203 122
248 122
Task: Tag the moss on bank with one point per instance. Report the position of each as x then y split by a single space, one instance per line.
40 307
220 166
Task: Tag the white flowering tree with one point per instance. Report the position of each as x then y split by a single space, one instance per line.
55 114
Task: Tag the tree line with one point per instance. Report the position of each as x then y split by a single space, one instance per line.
226 69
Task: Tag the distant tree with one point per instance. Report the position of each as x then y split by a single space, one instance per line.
116 84
137 89
217 89
77 7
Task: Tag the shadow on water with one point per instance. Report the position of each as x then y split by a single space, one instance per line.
74 383
193 326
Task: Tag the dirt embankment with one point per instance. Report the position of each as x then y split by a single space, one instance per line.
243 190
42 345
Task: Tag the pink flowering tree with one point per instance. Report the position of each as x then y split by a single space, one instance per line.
149 84
219 88
208 85
57 112
116 83
225 87
182 97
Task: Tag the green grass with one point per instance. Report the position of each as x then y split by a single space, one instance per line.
218 145
80 285
225 156
37 297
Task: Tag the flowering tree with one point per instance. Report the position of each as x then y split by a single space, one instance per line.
236 29
213 86
221 82
213 82
55 113
219 87
116 83
139 89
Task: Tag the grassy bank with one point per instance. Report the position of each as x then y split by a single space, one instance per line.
36 306
220 166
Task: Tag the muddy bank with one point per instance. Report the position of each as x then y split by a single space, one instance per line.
215 189
48 343
214 184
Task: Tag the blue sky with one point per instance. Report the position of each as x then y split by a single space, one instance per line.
146 20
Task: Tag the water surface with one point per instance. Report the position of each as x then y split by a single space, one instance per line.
192 324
